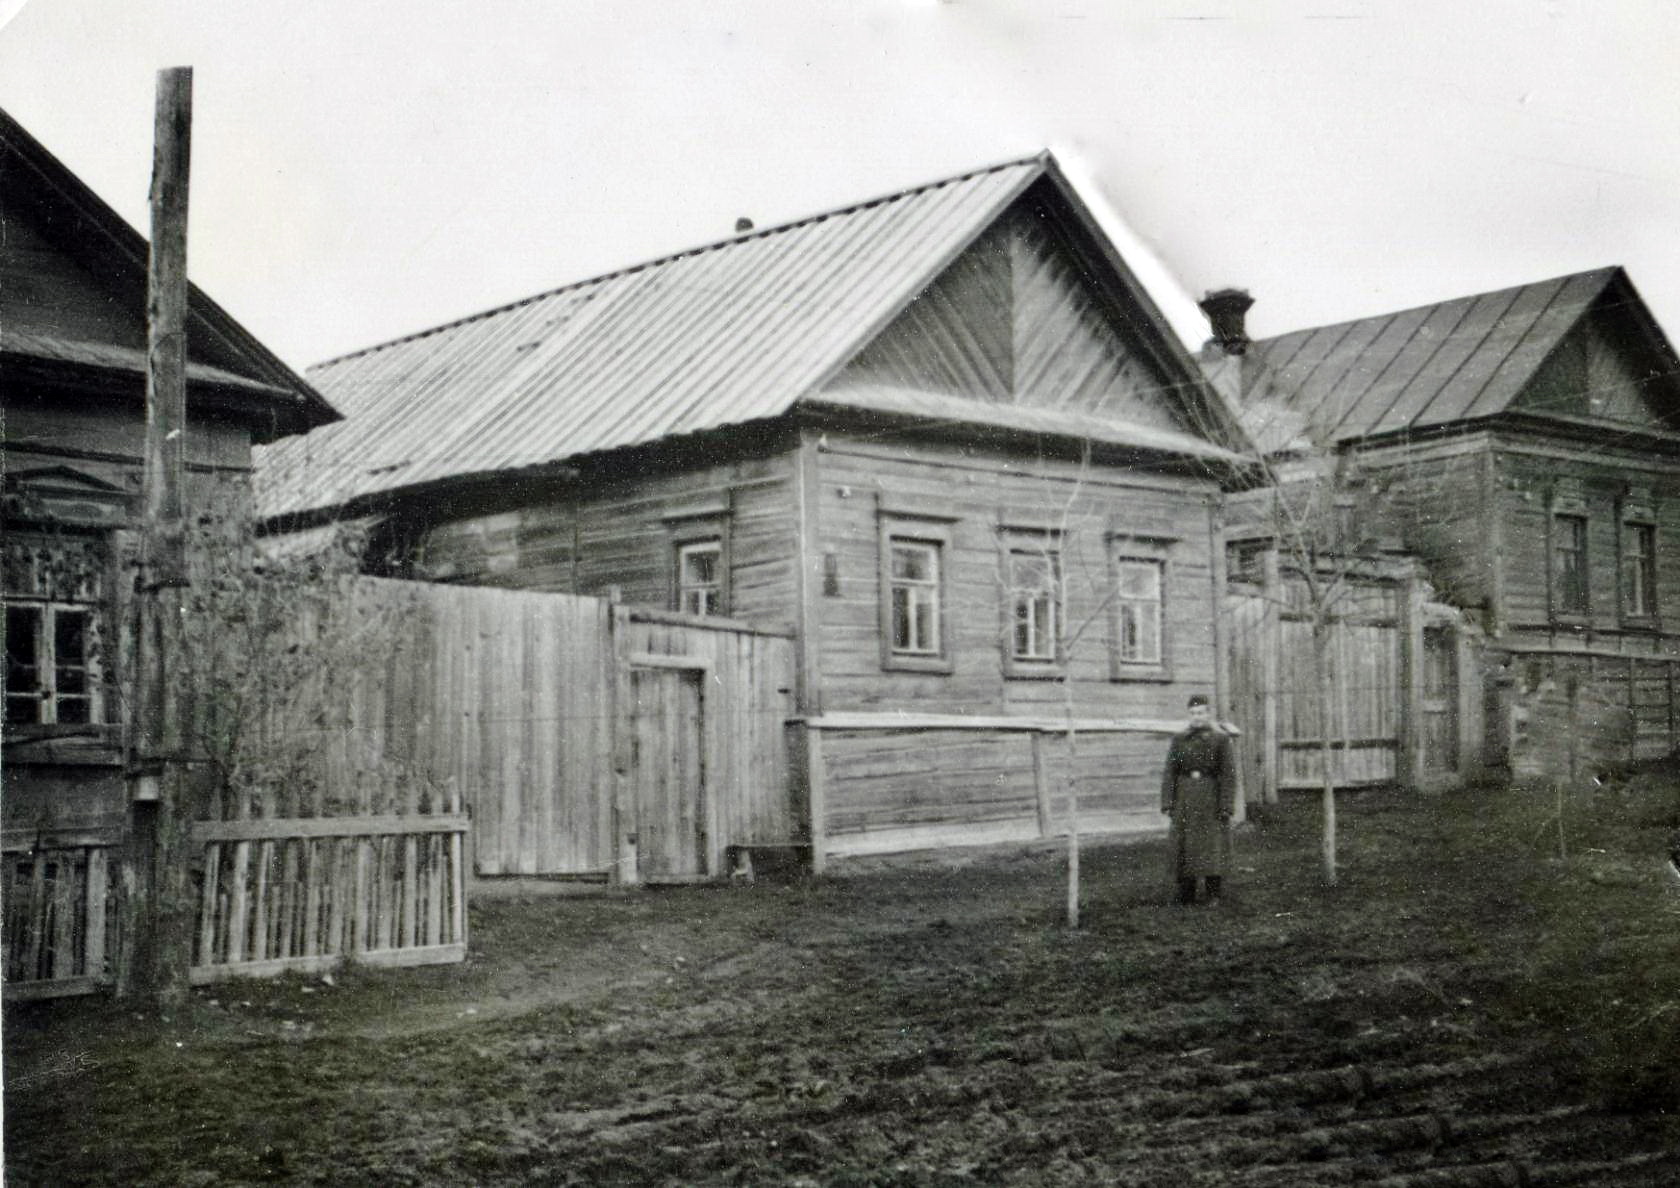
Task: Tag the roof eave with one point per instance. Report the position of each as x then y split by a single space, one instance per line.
127 252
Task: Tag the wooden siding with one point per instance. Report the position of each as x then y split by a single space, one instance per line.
977 494
1068 353
897 788
957 335
47 291
1527 476
1434 497
933 786
107 446
619 534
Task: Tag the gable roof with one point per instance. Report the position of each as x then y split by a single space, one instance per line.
1427 367
227 367
734 332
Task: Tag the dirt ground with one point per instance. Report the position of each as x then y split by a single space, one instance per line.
1465 1008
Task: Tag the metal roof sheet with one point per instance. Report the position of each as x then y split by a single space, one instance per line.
1456 360
724 334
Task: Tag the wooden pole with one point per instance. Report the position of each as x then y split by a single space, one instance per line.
158 922
1271 676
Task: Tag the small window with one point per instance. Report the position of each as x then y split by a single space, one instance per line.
1138 602
915 597
1035 578
1245 560
1569 565
51 677
700 577
1639 571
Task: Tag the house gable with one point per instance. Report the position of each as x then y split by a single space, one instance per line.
1605 369
1017 319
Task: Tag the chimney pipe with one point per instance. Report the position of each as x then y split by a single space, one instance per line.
1225 309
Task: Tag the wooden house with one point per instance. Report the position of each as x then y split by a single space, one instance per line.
943 439
72 370
1525 446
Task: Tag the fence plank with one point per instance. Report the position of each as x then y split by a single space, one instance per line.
64 917
277 827
38 915
97 890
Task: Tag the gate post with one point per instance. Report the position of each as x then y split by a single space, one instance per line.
1408 767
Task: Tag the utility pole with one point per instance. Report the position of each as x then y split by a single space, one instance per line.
158 916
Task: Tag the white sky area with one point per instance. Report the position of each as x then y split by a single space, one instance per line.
367 169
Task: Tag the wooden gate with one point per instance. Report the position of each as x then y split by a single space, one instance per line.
667 776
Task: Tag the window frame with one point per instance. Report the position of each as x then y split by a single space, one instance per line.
716 588
1124 549
46 694
937 536
1575 522
701 524
1637 513
1038 544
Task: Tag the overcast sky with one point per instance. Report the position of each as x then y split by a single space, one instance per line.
367 168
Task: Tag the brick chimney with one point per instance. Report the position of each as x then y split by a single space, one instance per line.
1225 309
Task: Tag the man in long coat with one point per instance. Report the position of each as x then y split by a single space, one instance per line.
1199 790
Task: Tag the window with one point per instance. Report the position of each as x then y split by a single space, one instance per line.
1138 602
51 677
1035 577
700 577
915 550
697 537
915 597
1639 571
1569 565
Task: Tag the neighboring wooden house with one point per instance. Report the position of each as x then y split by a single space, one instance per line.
72 368
923 434
1525 445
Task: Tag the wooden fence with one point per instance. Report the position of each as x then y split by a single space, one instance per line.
303 894
57 902
585 740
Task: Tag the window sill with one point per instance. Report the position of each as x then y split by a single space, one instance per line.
938 665
1644 623
91 733
1027 670
1142 674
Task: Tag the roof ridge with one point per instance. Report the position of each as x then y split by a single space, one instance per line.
1607 269
1042 156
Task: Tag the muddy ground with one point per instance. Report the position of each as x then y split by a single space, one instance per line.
1465 1008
